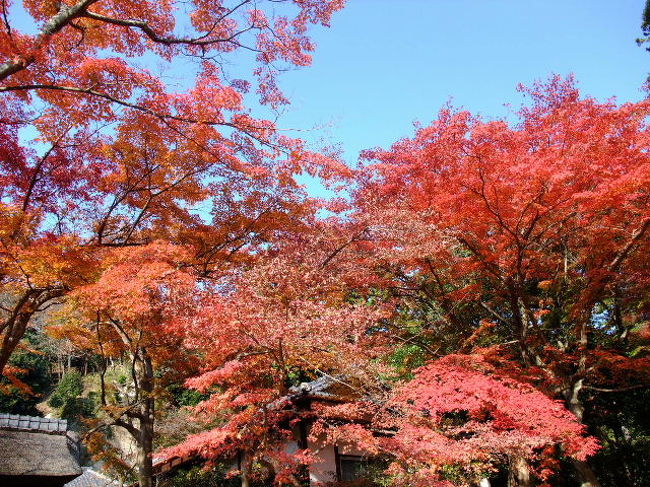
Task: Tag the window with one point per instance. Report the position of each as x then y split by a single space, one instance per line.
351 468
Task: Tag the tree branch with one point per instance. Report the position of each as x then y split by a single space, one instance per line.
636 236
619 389
203 40
64 16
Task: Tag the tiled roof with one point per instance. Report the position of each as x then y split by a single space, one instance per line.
34 424
328 388
92 478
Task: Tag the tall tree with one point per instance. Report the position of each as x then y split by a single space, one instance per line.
532 236
98 151
131 312
285 321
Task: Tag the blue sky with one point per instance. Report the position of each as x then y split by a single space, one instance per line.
387 63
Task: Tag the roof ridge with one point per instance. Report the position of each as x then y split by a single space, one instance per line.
20 422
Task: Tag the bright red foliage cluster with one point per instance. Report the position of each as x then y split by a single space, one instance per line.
465 411
457 411
532 235
573 175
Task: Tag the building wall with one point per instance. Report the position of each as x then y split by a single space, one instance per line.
324 470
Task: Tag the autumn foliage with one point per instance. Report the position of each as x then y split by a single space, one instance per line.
481 291
113 156
123 185
463 413
538 224
285 321
517 253
532 236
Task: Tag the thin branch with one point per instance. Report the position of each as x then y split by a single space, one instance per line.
169 40
636 236
5 18
35 177
494 313
342 247
619 389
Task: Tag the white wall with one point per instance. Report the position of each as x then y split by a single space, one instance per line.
324 470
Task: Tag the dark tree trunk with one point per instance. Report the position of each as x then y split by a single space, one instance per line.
13 328
145 463
585 474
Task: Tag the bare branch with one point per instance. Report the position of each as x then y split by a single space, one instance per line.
619 389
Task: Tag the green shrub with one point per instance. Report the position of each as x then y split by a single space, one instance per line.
197 477
77 408
182 396
55 401
70 387
190 397
36 375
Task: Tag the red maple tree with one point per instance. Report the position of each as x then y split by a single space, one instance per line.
533 235
284 321
458 418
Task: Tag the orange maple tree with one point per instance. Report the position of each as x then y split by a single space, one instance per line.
131 313
118 177
99 151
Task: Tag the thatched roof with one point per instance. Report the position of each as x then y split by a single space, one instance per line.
36 451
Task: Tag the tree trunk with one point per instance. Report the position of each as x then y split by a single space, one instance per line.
145 441
244 479
585 474
144 460
519 473
13 328
243 468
